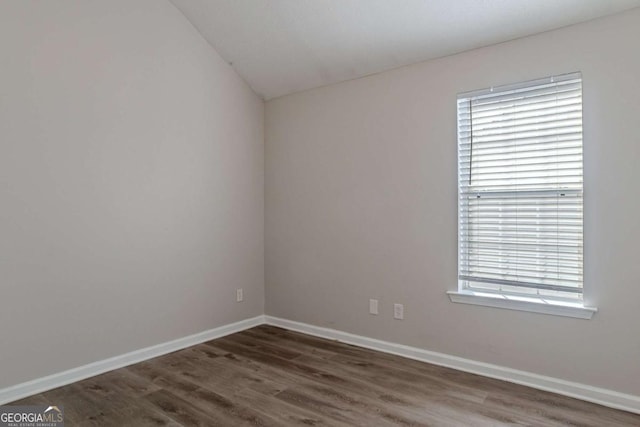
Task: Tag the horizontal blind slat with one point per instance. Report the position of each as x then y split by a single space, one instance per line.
526 96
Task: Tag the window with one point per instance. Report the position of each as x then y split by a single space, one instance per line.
520 234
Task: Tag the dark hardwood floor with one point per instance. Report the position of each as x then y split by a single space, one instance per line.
269 376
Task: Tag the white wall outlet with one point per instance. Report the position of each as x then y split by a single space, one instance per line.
239 295
373 306
398 311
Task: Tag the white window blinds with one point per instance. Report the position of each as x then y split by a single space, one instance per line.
520 188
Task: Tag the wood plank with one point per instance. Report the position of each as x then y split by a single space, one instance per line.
300 347
284 413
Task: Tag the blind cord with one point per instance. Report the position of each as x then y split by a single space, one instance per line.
471 142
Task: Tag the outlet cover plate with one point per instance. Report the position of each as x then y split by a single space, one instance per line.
373 306
398 311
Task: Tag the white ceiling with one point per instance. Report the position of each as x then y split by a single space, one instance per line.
284 46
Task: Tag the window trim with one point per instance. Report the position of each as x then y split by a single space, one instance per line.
512 302
505 300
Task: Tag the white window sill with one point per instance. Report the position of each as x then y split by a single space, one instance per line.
535 305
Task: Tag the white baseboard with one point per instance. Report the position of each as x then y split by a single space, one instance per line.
60 379
610 398
598 395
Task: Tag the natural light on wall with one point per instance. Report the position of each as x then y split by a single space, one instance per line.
520 172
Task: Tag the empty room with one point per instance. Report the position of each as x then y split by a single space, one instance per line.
319 212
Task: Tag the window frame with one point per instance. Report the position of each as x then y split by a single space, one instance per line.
571 307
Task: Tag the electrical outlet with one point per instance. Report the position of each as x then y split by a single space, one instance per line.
373 306
398 311
239 295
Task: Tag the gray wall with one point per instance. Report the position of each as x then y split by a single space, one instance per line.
361 203
131 184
